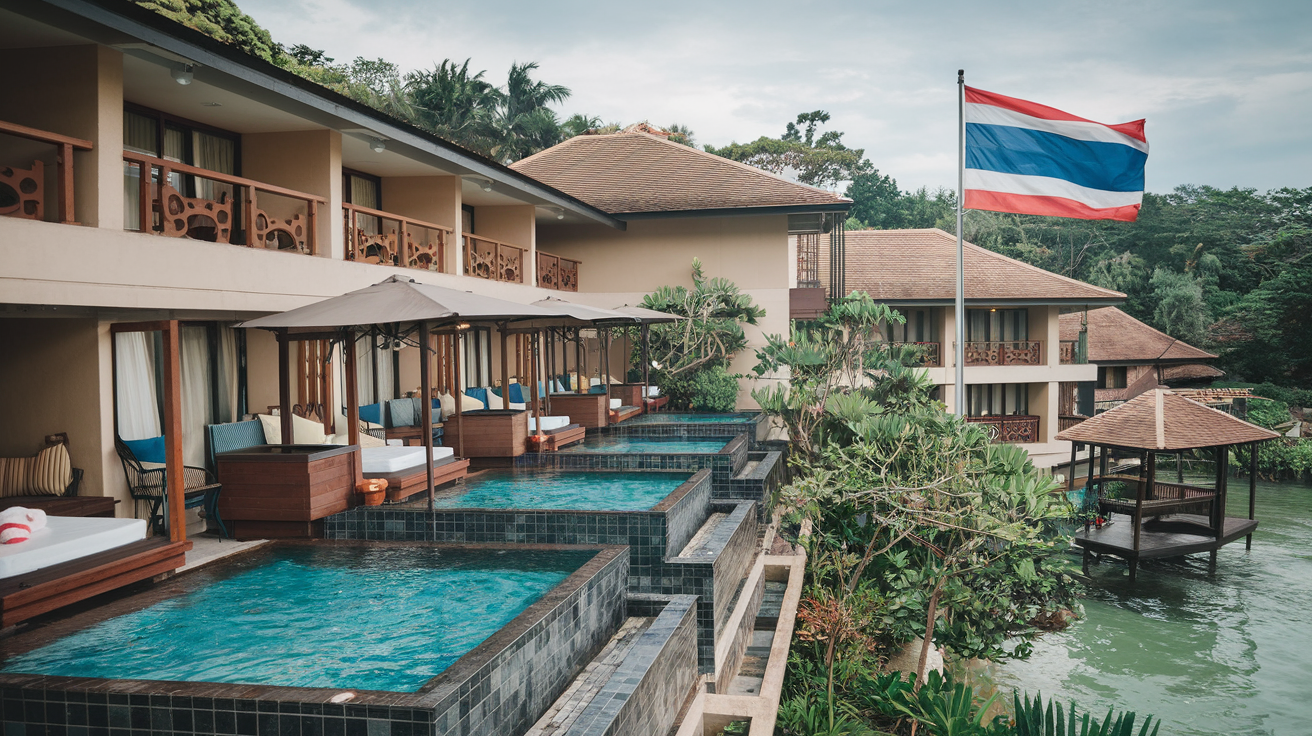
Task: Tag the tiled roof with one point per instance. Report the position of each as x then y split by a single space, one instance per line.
1190 371
1115 336
921 265
1162 420
631 173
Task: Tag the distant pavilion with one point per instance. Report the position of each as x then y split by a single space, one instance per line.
1151 518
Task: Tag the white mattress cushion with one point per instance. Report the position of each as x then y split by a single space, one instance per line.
67 538
390 459
548 423
517 405
616 403
653 391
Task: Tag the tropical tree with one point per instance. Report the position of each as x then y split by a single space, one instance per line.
821 160
1181 310
455 104
524 123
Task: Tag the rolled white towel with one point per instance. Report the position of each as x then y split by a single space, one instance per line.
17 524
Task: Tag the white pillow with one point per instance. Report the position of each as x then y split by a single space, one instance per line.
653 391
516 405
493 401
448 404
615 403
304 431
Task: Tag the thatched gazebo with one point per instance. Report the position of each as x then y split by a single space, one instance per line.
1150 518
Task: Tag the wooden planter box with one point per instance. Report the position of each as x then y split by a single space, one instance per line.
487 433
588 410
279 491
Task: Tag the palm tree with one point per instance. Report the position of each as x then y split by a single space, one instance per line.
456 105
524 122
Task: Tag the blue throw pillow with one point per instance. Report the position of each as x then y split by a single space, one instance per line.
597 389
477 393
150 450
516 394
372 413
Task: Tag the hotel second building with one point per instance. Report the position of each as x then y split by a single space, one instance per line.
154 175
1024 378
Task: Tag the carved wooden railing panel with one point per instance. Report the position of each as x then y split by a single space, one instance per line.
491 259
930 354
1066 421
28 184
558 273
1072 353
211 220
1012 429
1011 352
404 241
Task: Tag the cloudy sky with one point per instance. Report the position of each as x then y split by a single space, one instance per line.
1226 86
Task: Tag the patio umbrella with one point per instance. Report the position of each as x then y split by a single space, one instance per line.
648 316
398 300
598 317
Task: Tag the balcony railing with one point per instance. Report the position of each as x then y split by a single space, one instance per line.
1013 429
1073 352
399 241
559 273
213 218
1066 421
1011 352
930 356
29 184
492 259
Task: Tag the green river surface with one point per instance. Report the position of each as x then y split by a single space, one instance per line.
1229 653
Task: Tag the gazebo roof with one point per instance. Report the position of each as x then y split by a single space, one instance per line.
1162 420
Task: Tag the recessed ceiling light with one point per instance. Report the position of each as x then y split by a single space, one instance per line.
212 104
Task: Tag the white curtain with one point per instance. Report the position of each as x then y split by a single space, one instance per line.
216 154
386 375
140 135
227 376
364 192
195 393
364 369
134 368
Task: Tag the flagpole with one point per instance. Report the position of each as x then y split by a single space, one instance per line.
959 407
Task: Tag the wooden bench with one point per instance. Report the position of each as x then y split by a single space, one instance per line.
554 439
624 412
406 483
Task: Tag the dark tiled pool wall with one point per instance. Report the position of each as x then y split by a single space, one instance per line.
500 687
757 427
529 669
723 465
646 692
759 485
715 572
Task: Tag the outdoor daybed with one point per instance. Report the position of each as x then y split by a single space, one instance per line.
74 558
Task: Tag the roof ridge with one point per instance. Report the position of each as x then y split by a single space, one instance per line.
1032 267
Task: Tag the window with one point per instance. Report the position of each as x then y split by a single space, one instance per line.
919 327
994 399
157 134
997 325
366 191
1111 377
467 219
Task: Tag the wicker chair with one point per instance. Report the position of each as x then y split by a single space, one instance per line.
148 484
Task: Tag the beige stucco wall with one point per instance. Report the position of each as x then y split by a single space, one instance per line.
434 199
50 382
308 161
620 267
75 91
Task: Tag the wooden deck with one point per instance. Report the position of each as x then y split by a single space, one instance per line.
1182 534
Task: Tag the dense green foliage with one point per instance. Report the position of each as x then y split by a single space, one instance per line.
690 357
221 20
1287 457
1033 719
821 160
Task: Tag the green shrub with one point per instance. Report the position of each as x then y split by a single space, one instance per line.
714 390
1284 394
1033 719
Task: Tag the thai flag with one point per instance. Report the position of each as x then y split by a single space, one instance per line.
1032 159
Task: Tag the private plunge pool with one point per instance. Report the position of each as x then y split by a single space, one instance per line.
563 489
345 620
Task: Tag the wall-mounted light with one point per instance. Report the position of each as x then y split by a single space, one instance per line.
560 212
379 145
483 182
182 73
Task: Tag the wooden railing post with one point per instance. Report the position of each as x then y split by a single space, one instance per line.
248 216
64 183
145 220
312 226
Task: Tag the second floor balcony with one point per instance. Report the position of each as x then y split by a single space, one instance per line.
930 353
375 236
1010 352
1012 428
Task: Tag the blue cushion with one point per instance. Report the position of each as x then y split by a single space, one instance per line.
516 394
597 390
372 413
148 450
477 393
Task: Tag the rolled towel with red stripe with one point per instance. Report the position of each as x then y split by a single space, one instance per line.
17 524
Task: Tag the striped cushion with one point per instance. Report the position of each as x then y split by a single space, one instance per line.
14 475
51 471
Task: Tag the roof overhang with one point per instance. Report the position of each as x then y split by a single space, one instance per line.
1151 362
736 211
1109 301
118 23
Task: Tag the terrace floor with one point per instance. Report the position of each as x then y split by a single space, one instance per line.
207 548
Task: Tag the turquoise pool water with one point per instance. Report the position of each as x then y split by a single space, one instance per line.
664 418
342 617
648 444
561 489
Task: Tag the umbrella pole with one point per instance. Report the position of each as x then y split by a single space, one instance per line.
352 404
533 382
604 337
580 365
458 392
551 367
505 366
646 363
285 386
426 407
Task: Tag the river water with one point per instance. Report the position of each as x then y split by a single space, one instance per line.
1229 653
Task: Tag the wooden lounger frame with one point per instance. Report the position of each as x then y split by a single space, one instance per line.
411 482
624 412
554 439
25 596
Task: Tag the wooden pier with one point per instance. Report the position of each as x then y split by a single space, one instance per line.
1175 536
